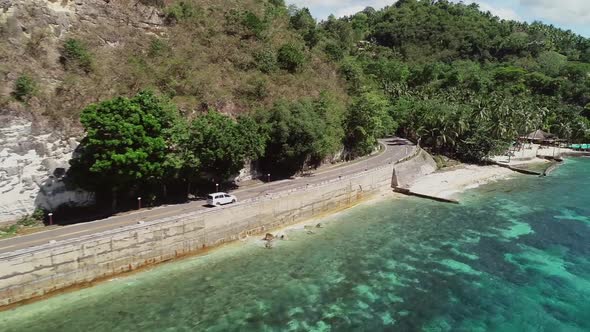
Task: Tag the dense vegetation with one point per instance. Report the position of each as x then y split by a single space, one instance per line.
259 81
463 82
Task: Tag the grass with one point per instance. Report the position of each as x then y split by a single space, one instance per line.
24 224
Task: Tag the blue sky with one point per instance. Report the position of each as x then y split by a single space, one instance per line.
567 14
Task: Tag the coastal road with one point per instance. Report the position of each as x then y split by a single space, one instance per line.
394 149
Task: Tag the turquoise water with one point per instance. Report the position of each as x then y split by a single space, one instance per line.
514 257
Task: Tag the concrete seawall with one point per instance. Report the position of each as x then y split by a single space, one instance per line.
38 271
409 170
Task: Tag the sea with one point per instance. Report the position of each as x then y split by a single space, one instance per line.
513 256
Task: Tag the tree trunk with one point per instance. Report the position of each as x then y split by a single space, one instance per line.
188 189
165 192
114 200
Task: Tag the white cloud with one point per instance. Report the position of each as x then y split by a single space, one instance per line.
560 11
505 13
339 8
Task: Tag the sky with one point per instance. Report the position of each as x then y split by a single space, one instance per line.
567 14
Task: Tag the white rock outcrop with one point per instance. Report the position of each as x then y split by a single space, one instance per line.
31 170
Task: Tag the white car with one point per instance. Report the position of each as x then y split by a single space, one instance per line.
220 199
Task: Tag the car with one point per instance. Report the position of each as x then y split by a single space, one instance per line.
217 199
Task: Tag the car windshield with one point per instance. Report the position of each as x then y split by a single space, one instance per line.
209 196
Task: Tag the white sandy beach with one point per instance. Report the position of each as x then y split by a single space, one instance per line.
448 183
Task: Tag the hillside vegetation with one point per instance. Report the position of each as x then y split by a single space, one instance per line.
463 82
218 83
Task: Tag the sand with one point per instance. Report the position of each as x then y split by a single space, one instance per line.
449 183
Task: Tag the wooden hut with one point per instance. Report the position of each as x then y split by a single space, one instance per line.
540 136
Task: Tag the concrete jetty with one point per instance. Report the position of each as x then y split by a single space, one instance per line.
408 192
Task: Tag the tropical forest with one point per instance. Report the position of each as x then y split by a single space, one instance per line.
231 83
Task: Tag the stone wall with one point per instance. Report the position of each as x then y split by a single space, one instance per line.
32 164
41 270
419 165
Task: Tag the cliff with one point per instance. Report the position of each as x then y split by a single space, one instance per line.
36 139
58 56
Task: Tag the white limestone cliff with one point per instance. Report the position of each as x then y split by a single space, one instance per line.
31 170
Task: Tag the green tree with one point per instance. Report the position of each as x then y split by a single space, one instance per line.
368 120
300 134
253 137
302 20
223 145
126 144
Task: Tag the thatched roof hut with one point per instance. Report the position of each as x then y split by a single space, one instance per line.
540 136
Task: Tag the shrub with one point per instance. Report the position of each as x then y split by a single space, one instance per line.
334 51
157 47
311 37
290 58
245 24
277 3
33 219
266 61
24 88
253 24
153 3
180 11
75 53
256 89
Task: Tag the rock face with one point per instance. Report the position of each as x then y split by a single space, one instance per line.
61 16
33 155
32 166
32 32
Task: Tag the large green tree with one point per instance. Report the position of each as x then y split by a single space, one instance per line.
223 145
301 133
126 147
368 120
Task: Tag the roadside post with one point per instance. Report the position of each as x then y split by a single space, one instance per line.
139 203
268 177
217 187
50 219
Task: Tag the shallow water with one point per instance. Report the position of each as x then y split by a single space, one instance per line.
513 257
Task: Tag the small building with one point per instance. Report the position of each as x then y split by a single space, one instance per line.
540 136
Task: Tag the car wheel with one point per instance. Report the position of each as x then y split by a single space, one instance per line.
218 204
233 200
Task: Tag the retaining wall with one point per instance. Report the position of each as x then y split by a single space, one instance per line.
408 171
37 271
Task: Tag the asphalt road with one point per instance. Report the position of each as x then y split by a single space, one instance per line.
395 149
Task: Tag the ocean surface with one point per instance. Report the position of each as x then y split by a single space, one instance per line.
514 256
